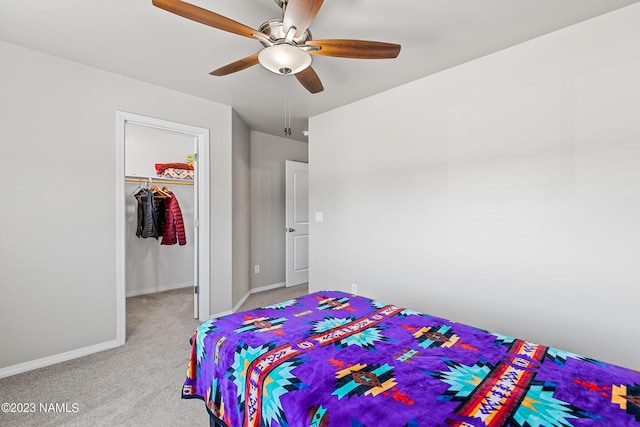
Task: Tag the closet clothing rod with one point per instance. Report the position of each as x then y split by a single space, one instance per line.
158 181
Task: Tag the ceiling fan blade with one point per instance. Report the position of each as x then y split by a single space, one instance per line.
300 14
361 49
310 80
205 16
238 65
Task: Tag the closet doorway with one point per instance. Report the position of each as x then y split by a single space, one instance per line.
143 264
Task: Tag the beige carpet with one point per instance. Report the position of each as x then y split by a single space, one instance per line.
138 384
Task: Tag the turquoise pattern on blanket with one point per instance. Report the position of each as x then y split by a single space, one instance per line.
279 382
202 331
540 409
462 379
328 323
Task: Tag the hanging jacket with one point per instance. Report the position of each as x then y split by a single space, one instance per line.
158 215
149 229
151 215
174 225
140 196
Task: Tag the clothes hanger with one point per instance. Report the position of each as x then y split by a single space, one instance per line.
160 193
137 190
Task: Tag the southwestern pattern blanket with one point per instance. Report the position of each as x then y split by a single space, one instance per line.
335 359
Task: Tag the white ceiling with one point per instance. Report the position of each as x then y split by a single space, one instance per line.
133 38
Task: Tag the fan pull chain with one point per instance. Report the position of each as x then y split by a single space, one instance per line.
287 105
289 111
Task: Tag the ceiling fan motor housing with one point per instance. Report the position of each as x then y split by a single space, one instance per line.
274 29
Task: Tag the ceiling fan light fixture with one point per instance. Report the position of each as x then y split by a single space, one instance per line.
284 59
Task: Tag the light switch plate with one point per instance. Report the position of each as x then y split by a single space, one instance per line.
319 216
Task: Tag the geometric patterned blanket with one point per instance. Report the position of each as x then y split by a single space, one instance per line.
335 359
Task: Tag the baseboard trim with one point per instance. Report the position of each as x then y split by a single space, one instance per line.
245 296
242 300
267 288
221 314
147 291
255 291
56 358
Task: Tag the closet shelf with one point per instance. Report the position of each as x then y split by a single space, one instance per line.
157 180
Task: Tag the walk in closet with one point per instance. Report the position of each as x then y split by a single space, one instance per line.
152 264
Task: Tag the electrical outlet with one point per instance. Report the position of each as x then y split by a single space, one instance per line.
256 268
354 289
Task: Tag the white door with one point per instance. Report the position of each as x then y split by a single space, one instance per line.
297 222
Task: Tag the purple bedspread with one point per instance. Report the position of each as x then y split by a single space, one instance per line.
334 359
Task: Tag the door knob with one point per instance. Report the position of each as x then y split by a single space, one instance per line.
291 230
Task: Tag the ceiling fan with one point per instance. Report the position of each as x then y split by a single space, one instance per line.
287 42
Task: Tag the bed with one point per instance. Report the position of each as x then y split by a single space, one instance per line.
335 359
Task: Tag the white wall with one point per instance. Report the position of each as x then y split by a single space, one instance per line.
146 146
504 193
268 154
57 222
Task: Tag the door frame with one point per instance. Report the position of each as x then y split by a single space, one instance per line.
201 220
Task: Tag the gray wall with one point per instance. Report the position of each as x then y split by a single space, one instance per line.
504 193
268 154
57 222
241 209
